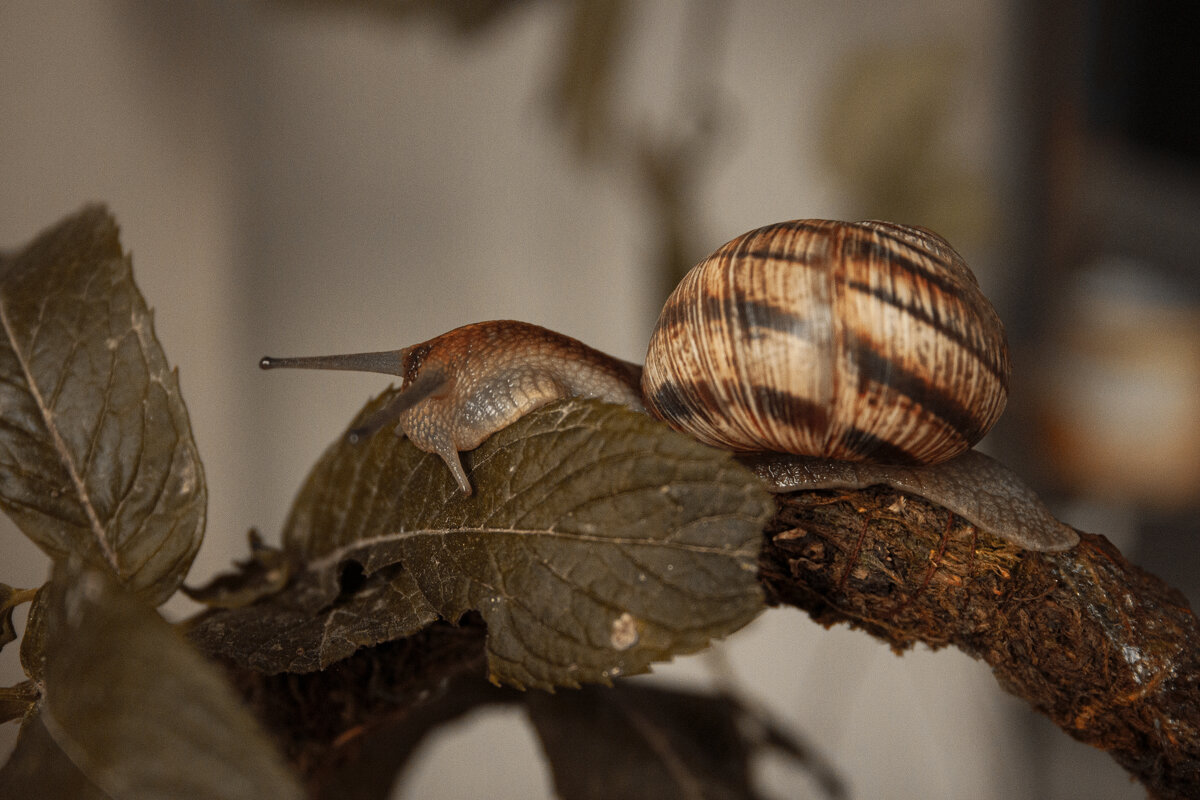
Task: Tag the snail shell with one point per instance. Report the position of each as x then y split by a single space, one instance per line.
861 341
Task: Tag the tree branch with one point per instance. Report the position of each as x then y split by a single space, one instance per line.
1106 650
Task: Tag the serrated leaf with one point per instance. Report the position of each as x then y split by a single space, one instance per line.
597 541
134 709
96 453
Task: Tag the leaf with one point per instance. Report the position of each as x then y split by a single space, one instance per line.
8 633
597 540
33 643
639 742
368 767
15 701
10 598
134 709
38 768
265 573
303 629
96 453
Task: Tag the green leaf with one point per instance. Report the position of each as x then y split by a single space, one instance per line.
96 453
133 709
597 541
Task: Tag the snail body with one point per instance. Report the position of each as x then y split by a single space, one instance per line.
829 341
468 383
972 485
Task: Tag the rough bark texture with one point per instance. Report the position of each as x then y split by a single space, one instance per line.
1109 652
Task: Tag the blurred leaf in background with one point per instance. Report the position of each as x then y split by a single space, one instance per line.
129 709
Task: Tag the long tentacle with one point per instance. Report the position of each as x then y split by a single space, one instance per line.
427 383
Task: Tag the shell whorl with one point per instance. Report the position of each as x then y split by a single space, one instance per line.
858 341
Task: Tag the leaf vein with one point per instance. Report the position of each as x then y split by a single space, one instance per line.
97 528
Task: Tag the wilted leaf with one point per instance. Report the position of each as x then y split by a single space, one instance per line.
134 709
10 598
33 642
8 633
638 742
265 573
303 629
597 541
96 454
15 701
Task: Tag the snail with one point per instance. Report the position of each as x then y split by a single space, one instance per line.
831 354
861 342
461 387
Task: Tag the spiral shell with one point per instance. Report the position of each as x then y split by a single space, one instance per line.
865 341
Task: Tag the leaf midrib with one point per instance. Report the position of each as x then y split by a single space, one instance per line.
60 445
335 555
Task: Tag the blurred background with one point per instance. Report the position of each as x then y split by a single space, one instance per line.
299 177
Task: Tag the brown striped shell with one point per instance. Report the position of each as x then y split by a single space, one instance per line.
865 341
